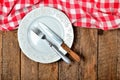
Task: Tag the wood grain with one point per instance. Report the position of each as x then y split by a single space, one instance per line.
48 71
99 51
0 55
88 49
70 72
118 55
107 55
29 68
11 56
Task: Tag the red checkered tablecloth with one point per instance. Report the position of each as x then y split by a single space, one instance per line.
101 14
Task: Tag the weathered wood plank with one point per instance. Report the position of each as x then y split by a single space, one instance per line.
85 44
70 72
0 54
88 49
107 52
48 71
118 56
29 68
11 56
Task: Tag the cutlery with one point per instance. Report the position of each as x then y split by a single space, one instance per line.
43 36
56 40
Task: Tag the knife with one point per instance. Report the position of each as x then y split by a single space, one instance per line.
56 40
43 36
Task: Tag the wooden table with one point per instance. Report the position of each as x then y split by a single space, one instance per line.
99 50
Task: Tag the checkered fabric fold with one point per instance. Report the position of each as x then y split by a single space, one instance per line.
101 14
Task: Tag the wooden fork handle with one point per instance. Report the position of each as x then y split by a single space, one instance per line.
72 53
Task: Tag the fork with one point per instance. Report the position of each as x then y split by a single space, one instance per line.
43 36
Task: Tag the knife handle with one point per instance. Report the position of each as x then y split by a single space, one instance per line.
72 53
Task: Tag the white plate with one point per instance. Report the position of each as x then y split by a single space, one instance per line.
36 48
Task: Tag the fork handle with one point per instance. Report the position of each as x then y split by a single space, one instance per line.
72 53
65 58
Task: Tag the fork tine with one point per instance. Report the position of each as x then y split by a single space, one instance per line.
38 32
35 30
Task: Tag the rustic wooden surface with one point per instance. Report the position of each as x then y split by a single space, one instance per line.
99 51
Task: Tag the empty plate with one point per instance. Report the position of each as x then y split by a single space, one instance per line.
36 48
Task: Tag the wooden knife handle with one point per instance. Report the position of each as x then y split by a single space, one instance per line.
72 53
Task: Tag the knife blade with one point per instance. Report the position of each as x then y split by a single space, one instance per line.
56 40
